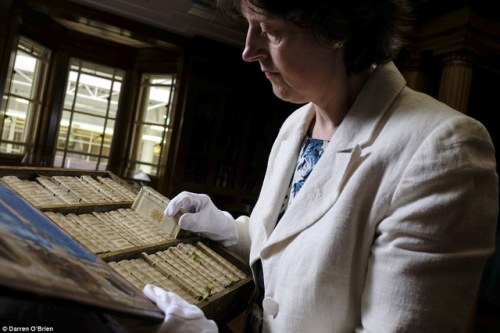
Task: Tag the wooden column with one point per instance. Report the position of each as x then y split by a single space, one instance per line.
456 76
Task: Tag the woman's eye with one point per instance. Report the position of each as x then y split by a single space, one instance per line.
271 35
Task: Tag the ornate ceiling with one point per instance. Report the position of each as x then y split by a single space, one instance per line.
187 18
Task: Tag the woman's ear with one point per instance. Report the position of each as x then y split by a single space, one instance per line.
339 44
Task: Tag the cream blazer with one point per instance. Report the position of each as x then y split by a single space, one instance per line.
392 228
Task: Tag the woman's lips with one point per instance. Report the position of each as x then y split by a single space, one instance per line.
270 75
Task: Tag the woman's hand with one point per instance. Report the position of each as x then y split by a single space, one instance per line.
200 215
180 316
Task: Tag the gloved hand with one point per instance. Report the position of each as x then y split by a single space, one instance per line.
180 316
200 215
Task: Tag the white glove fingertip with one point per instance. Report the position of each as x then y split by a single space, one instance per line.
186 223
175 205
152 291
170 210
148 290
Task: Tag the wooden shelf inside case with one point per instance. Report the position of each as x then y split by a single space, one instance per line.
85 208
218 300
54 188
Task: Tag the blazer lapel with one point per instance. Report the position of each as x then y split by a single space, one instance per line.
318 194
348 148
279 181
276 183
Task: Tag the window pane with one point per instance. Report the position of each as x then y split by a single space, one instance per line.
145 168
103 164
161 79
4 102
90 120
70 90
150 147
58 160
17 107
22 100
82 140
10 148
152 129
63 130
115 96
92 95
156 111
79 161
23 75
13 129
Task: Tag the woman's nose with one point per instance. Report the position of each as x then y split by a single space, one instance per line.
254 49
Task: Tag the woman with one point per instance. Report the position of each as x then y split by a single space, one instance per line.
379 204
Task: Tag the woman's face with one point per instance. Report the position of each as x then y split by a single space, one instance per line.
300 68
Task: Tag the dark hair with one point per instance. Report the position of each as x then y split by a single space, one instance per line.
370 30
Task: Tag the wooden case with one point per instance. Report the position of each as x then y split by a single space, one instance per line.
134 230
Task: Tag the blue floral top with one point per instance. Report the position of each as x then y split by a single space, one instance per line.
311 151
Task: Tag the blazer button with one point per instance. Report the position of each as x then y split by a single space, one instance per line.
270 306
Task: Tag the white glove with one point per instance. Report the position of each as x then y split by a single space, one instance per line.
180 316
200 215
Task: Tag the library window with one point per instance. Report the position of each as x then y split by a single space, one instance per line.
153 124
21 104
88 116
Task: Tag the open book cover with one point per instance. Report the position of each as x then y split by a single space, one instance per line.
36 256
